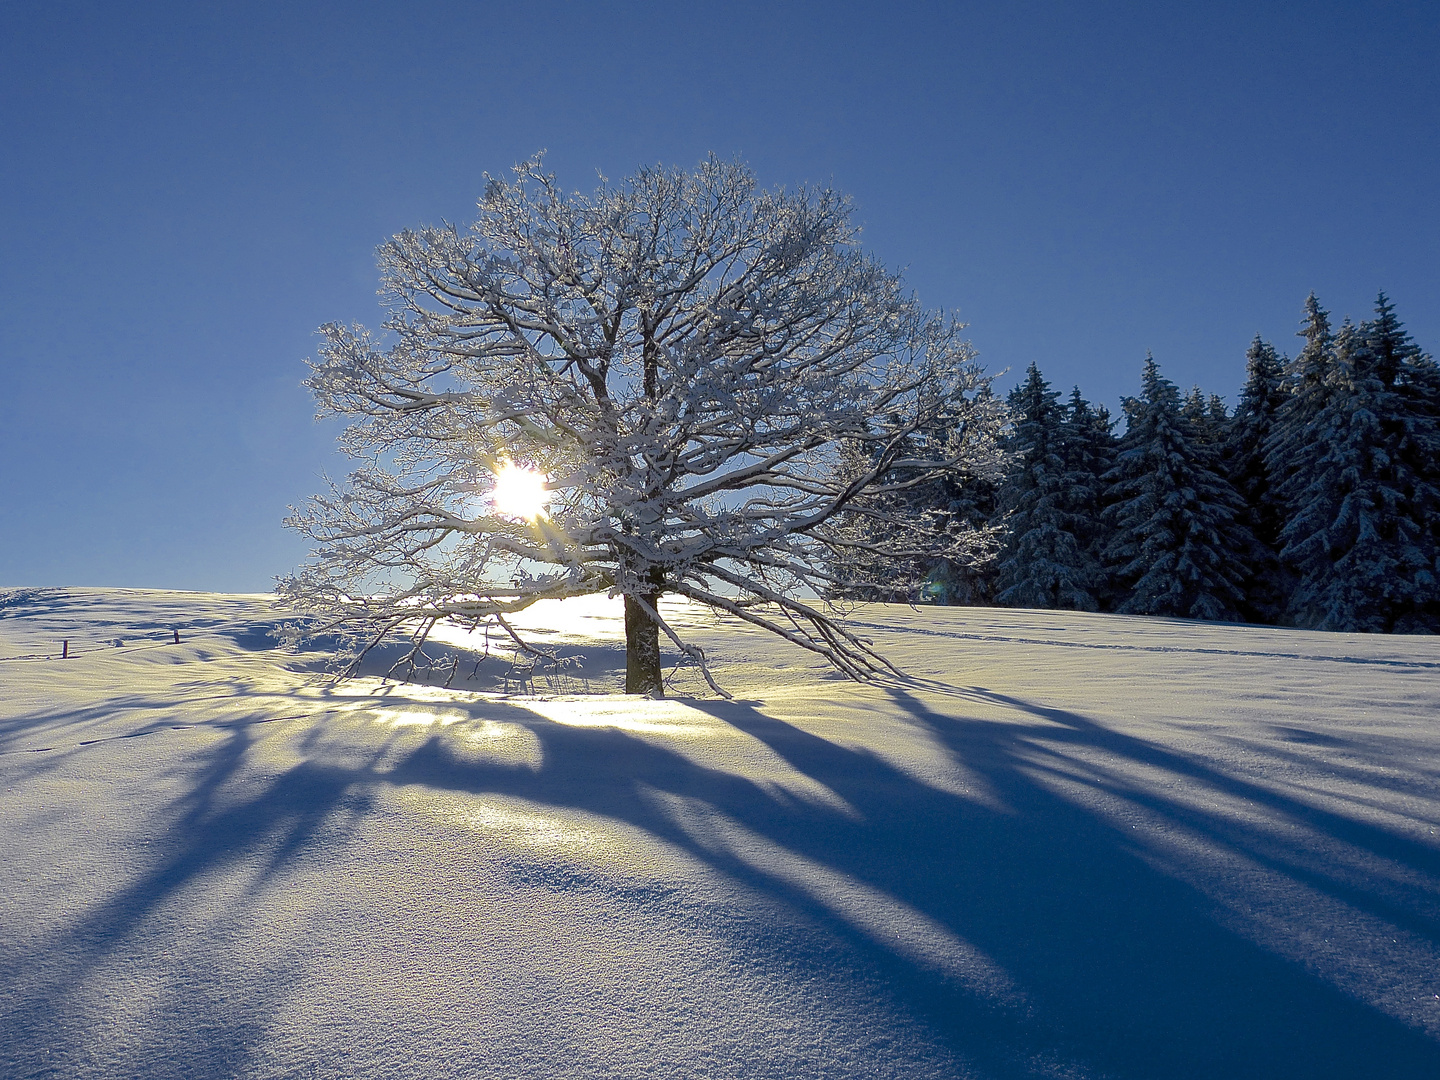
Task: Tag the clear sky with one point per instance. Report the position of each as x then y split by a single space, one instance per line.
188 190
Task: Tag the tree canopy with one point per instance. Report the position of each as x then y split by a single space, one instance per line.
679 358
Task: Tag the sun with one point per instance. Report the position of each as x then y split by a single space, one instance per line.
519 492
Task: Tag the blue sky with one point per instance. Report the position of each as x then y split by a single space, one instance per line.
189 190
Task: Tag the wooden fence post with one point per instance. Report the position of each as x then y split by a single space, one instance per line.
65 649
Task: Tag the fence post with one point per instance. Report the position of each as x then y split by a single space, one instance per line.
177 635
65 649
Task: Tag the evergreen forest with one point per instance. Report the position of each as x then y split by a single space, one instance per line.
1314 503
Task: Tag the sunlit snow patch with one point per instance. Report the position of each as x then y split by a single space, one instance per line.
399 718
510 821
665 717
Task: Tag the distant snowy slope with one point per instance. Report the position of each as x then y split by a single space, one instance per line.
1067 845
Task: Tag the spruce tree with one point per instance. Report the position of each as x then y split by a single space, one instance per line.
1090 448
1216 414
1307 390
1206 416
1363 494
1043 563
1178 543
1421 390
1243 456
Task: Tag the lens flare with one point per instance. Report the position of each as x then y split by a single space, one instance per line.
519 492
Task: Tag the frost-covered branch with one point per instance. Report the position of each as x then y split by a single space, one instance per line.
688 360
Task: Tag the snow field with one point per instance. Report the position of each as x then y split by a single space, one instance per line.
1068 845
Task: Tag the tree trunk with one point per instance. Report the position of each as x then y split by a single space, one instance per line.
642 648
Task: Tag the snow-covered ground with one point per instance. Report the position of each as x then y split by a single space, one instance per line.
1068 845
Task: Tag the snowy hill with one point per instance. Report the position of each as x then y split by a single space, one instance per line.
1068 846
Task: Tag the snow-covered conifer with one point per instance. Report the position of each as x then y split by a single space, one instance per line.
1090 448
1177 546
668 367
1043 563
1243 456
1307 392
1363 492
1206 416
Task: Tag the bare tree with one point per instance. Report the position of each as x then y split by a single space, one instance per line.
679 360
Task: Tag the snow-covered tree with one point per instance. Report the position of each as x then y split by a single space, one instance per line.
1363 488
967 497
1308 389
1090 448
1243 456
1248 432
1044 563
1206 416
1177 546
671 365
881 562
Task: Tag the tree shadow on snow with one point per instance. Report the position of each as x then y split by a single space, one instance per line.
1122 968
201 1025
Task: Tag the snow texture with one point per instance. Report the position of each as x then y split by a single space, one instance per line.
1069 845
